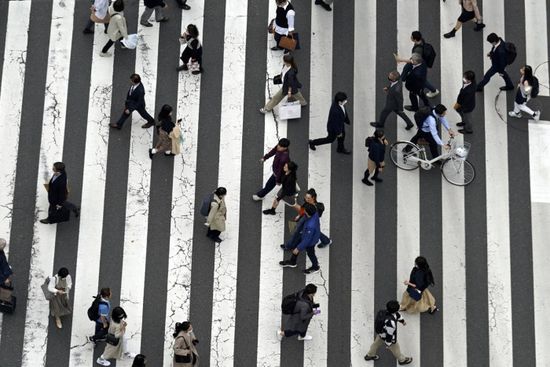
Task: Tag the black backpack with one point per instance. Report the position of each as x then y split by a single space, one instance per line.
206 202
511 52
289 304
421 115
428 54
535 87
93 311
380 321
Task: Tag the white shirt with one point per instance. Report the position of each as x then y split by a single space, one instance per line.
101 8
290 19
343 109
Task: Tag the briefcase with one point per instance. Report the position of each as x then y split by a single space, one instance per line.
5 293
60 215
290 43
290 110
8 307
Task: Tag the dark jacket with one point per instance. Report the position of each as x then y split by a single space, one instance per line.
394 97
281 158
291 82
310 233
415 77
303 312
336 119
419 278
377 151
288 184
136 99
498 57
153 3
5 270
467 98
57 192
167 124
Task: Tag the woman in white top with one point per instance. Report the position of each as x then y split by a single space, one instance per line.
117 29
60 285
524 93
99 14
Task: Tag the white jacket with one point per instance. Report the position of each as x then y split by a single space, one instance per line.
117 25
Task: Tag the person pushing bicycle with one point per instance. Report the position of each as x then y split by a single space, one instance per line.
427 120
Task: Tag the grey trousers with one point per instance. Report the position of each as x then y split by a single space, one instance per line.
467 119
147 14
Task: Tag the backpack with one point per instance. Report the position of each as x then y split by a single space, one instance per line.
428 54
93 311
535 87
289 304
380 321
206 202
511 52
421 115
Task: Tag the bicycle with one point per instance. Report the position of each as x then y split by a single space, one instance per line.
456 169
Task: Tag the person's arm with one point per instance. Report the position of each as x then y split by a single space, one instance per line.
69 283
213 209
269 154
290 19
51 285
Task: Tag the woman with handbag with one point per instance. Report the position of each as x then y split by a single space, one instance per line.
289 188
99 14
185 353
291 85
217 215
115 347
192 51
417 297
117 29
59 286
164 128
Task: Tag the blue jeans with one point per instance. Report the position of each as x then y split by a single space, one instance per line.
489 74
269 185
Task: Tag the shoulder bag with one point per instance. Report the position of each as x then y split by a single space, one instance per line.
47 294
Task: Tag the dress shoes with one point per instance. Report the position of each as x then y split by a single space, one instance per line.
460 124
147 125
344 151
323 5
411 108
375 124
115 126
311 145
45 221
462 131
409 126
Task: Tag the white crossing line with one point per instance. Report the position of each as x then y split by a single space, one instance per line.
536 41
51 150
93 197
362 273
183 195
226 253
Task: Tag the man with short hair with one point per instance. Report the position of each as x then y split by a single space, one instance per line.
429 132
135 101
57 196
102 321
388 334
394 101
499 61
281 157
304 310
414 75
466 102
337 117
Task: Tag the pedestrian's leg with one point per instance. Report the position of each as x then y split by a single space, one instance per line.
374 346
324 239
424 98
467 119
269 185
516 108
274 101
89 26
414 100
507 80
523 107
396 351
434 147
416 137
146 15
123 117
340 142
488 75
383 116
107 46
328 140
159 15
312 257
106 27
293 259
143 113
289 333
404 116
300 98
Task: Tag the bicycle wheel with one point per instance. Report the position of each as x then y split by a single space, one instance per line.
458 172
401 151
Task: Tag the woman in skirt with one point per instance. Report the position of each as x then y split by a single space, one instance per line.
117 328
289 188
165 127
60 285
417 288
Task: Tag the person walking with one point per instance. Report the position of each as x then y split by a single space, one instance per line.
291 86
466 102
394 102
176 138
139 361
304 310
185 352
414 76
337 117
470 11
417 297
153 5
499 61
192 51
60 285
527 88
281 156
115 347
117 29
135 101
103 311
310 236
311 198
385 326
57 196
166 125
289 188
284 22
429 129
183 4
325 4
99 14
5 268
377 149
217 215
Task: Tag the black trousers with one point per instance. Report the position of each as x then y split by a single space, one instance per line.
386 112
100 332
331 138
413 96
142 112
188 54
213 234
109 44
434 147
90 25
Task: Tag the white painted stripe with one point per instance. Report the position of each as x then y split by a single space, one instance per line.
362 271
183 195
226 253
452 209
319 175
93 195
498 240
539 135
408 194
273 228
51 150
536 35
139 181
11 100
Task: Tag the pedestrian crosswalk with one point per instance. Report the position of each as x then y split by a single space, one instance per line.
139 230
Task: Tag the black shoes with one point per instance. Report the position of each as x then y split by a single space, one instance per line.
147 125
462 131
311 145
375 124
146 24
150 153
323 5
183 6
451 34
366 182
77 212
376 179
45 221
287 264
269 211
409 126
460 124
411 108
88 31
312 270
115 126
373 358
479 27
431 312
406 361
276 48
182 68
343 151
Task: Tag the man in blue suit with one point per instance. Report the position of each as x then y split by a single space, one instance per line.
135 101
337 117
414 75
499 61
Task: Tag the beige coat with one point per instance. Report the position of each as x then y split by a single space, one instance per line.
117 25
175 137
111 351
217 215
183 344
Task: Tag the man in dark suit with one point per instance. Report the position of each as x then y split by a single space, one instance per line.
499 61
135 101
394 101
466 102
337 117
57 195
414 76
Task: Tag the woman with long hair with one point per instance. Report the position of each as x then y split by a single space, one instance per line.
165 127
185 352
417 297
524 93
115 347
289 188
217 215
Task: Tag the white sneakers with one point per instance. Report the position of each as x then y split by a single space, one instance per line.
280 334
537 116
432 94
105 54
103 362
513 114
307 337
256 197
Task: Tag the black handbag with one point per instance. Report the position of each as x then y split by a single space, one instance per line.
112 339
277 79
414 293
182 359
